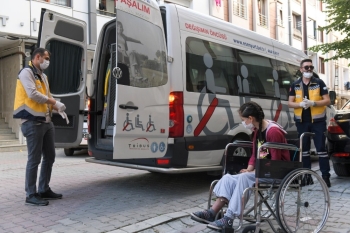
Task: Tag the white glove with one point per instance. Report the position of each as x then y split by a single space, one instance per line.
308 103
302 104
60 106
64 116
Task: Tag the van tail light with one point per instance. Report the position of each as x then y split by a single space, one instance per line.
334 128
88 115
342 155
163 161
176 115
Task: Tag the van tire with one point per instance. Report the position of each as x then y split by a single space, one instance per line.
68 151
341 169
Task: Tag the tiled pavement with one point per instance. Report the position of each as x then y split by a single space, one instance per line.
100 198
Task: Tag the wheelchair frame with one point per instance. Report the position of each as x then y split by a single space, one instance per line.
291 176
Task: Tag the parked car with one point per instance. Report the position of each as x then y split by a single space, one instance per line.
338 140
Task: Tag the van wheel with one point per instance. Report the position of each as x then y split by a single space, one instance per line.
341 169
68 151
241 151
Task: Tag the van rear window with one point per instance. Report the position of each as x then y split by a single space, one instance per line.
142 53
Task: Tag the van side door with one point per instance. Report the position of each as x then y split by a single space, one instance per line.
65 38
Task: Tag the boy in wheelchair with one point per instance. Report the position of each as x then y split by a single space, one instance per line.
229 189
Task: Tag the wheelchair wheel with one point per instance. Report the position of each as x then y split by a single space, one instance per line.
250 229
303 202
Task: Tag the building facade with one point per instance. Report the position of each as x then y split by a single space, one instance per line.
282 20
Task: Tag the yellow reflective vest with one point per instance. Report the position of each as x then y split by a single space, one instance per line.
318 113
27 108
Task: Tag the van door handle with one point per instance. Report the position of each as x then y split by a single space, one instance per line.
123 106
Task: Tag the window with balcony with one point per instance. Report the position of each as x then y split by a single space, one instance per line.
106 7
60 2
280 18
262 13
297 26
239 8
321 65
311 28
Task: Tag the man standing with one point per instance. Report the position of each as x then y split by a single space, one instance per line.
309 98
33 105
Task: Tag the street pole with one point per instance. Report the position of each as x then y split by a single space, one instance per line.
304 28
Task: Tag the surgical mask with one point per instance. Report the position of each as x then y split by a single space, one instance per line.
249 126
307 74
44 65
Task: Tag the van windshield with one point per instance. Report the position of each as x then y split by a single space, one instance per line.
140 50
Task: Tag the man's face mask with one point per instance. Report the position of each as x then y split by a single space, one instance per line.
45 64
307 74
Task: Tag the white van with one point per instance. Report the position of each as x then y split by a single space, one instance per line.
167 83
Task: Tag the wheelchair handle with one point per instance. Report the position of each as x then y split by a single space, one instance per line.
238 143
234 143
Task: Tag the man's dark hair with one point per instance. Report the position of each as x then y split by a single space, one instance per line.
40 51
305 60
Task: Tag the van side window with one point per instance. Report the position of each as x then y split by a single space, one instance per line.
219 69
210 67
64 75
286 76
259 73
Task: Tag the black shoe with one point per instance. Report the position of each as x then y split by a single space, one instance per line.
50 195
35 199
307 180
221 224
327 181
204 216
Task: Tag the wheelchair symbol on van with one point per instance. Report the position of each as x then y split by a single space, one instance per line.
161 146
150 124
128 125
154 147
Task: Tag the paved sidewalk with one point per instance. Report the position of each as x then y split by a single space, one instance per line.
99 198
180 222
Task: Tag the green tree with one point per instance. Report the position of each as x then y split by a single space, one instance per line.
338 19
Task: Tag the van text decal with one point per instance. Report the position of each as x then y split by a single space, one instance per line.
256 47
139 144
199 29
136 5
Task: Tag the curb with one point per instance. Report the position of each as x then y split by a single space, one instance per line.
152 222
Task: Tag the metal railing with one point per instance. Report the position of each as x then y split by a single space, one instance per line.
102 12
60 2
280 22
262 20
297 33
239 9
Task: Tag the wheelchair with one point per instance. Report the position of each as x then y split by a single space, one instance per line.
296 200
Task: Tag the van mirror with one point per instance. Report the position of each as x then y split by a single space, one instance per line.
332 96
